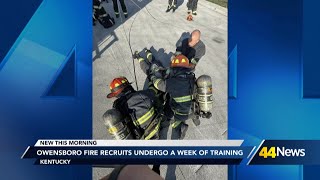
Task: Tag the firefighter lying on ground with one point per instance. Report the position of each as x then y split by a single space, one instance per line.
179 82
135 114
193 48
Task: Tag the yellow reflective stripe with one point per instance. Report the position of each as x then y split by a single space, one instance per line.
156 83
149 54
175 124
152 133
135 123
183 99
113 130
141 59
182 114
153 89
146 116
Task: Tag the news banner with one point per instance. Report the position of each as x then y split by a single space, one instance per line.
111 152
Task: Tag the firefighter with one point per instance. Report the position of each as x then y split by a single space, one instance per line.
172 4
138 106
123 7
100 14
193 48
150 65
192 7
178 81
96 11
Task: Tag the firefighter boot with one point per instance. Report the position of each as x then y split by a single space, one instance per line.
174 8
149 54
136 55
196 120
169 8
184 128
179 130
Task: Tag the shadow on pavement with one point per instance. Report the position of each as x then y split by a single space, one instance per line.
183 36
102 35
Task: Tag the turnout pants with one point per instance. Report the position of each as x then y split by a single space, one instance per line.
172 3
192 5
116 8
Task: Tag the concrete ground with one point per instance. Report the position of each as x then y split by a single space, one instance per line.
151 27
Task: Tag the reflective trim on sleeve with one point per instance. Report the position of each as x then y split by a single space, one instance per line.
153 89
183 99
149 54
152 133
146 116
156 83
141 59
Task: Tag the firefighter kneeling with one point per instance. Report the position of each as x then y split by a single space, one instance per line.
178 81
134 114
190 97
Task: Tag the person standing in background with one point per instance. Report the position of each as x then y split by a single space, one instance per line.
123 7
192 7
172 4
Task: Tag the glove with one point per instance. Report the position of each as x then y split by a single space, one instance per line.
136 55
167 73
154 68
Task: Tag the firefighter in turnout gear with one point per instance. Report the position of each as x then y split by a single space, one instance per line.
178 81
123 7
137 106
152 66
192 7
172 4
100 14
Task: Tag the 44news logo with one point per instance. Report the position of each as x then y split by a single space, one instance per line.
274 152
